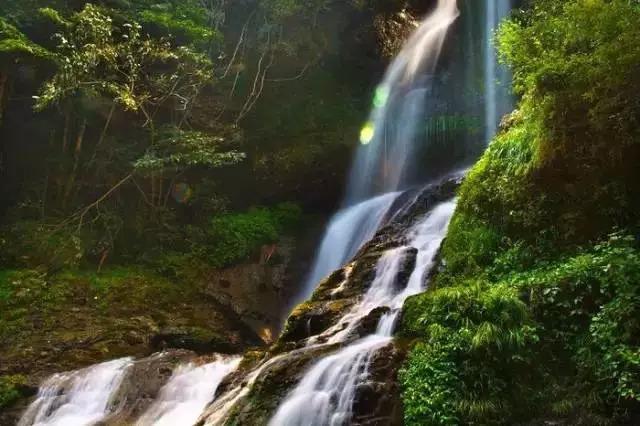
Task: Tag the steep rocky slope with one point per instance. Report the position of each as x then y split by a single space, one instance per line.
252 394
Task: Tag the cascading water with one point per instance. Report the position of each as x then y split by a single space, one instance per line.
326 394
78 398
498 100
347 232
187 393
386 158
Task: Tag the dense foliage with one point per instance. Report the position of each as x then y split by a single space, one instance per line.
138 114
535 316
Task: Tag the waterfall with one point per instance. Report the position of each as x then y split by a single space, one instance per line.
183 399
326 393
498 100
386 157
78 398
347 232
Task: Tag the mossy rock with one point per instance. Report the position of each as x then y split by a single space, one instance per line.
66 321
273 385
312 318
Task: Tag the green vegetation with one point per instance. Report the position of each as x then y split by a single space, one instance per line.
139 113
237 236
535 316
559 340
10 389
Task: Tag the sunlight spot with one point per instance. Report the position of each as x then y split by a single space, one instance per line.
367 133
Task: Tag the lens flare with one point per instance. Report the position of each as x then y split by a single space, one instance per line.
367 133
181 192
381 96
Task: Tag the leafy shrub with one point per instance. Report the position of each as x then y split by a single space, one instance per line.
560 339
474 339
188 20
234 237
590 305
430 385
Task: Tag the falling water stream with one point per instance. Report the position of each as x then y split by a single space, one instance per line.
498 100
386 156
347 232
87 397
187 393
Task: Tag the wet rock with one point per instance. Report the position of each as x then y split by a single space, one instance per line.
273 386
369 323
378 401
192 338
143 383
407 266
312 318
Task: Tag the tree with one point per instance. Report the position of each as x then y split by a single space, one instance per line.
150 79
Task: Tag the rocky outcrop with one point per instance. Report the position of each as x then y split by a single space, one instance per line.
273 385
378 400
266 378
80 325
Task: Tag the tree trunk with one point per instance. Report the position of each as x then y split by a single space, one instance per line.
76 163
4 84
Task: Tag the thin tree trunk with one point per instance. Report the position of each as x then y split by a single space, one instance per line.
67 124
60 181
103 259
103 134
76 162
4 83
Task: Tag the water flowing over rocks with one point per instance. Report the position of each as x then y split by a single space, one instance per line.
166 388
317 329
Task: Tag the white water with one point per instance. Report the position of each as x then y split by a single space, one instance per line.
78 398
326 394
386 158
191 388
345 235
498 100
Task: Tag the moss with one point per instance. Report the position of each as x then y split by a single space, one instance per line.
62 321
312 318
273 386
11 389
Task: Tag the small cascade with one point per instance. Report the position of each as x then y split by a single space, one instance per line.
326 393
345 235
498 99
78 398
183 399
